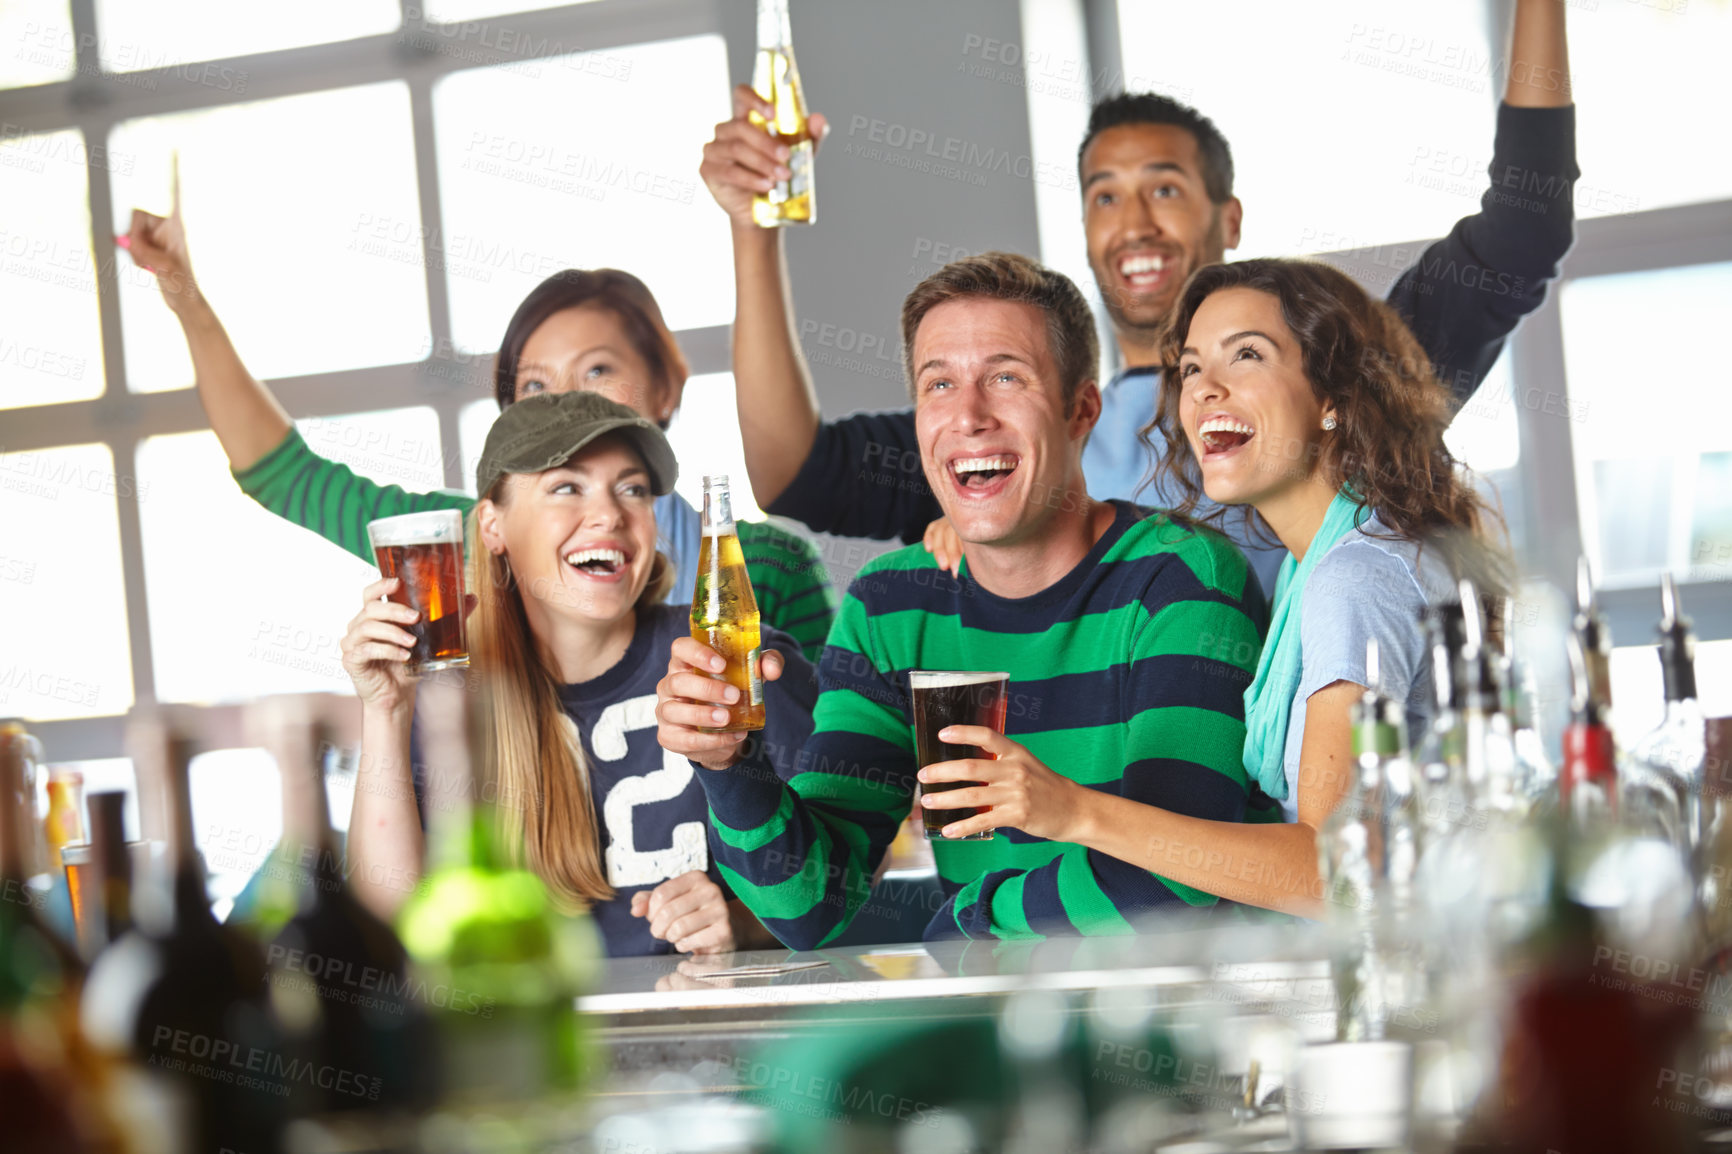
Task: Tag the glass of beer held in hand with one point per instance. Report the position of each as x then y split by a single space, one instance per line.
941 699
424 551
725 611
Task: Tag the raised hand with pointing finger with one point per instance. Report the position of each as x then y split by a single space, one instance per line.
158 245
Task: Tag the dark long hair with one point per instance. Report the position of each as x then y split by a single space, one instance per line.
1358 356
620 293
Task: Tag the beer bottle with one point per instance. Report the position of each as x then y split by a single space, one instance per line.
777 79
724 610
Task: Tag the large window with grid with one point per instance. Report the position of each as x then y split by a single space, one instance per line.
369 188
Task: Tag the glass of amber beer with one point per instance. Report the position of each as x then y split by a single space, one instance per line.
941 699
424 551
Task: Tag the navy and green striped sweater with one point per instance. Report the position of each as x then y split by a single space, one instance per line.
1126 675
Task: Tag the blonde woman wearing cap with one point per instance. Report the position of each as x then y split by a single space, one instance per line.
571 633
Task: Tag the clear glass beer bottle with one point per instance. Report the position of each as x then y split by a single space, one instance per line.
777 80
724 609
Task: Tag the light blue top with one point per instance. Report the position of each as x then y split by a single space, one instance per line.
678 529
1115 464
1367 586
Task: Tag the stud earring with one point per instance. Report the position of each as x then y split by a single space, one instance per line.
1328 424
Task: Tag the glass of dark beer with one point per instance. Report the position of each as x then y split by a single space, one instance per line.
941 699
424 551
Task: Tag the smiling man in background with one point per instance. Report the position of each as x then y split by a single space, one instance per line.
1109 622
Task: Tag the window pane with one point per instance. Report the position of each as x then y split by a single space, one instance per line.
1650 476
243 603
140 34
472 424
1361 72
281 200
67 651
705 434
1634 156
237 817
1486 433
530 186
51 340
36 42
446 11
1639 694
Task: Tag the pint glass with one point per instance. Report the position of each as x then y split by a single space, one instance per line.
424 551
940 699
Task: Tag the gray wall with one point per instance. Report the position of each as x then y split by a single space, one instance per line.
898 80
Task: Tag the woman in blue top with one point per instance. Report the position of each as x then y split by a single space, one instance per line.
570 633
1286 388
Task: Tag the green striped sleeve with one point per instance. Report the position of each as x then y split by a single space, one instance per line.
330 498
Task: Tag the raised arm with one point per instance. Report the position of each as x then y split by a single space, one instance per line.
1469 290
1539 55
270 460
778 405
246 418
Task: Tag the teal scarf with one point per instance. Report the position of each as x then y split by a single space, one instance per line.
1269 700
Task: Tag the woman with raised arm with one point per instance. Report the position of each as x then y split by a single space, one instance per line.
568 637
597 330
1287 389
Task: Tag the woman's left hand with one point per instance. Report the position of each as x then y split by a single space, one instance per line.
690 911
1022 792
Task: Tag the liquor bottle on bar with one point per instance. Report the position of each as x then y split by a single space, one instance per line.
1670 756
100 877
34 958
1447 795
185 998
1595 638
487 931
1535 774
339 975
777 80
45 1061
1354 847
1490 752
725 611
1588 777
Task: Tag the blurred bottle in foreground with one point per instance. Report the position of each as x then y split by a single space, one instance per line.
339 976
182 999
43 1107
1368 852
486 930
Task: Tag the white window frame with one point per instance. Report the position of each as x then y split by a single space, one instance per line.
94 102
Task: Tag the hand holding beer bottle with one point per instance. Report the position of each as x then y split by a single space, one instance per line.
725 610
691 702
744 161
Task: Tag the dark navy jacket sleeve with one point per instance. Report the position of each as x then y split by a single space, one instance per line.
1469 290
863 479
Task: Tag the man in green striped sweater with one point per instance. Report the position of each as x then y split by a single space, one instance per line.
1129 641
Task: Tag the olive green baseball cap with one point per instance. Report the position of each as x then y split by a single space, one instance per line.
545 431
